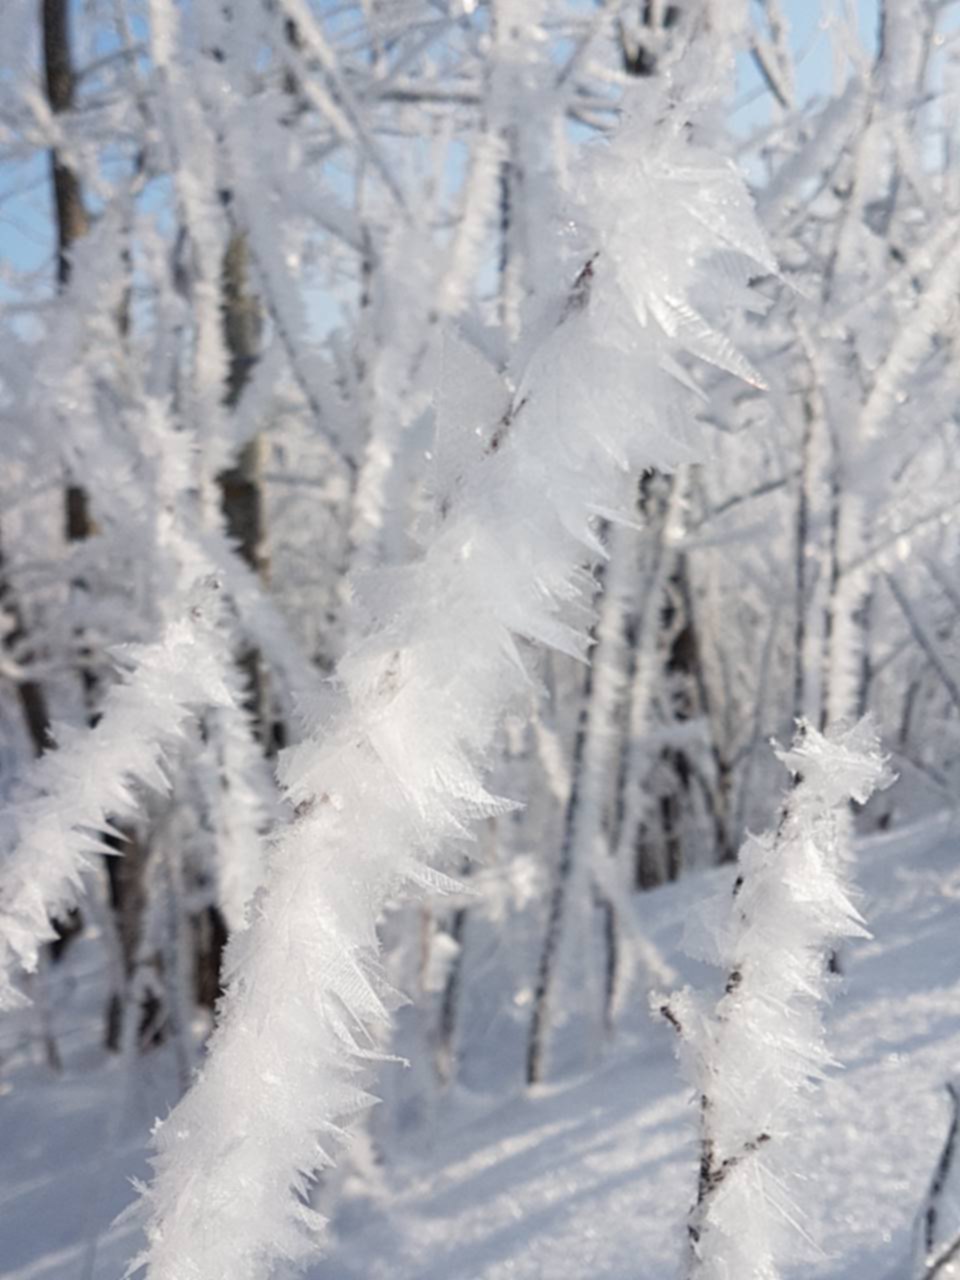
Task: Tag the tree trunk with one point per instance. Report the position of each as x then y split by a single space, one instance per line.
71 222
241 487
586 834
242 504
71 217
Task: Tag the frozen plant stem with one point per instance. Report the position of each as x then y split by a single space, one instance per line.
752 1056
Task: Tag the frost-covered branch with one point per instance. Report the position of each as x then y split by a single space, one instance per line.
754 1055
75 793
391 779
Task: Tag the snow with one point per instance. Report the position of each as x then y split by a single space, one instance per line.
592 1175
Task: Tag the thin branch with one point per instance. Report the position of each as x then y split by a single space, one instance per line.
737 500
924 640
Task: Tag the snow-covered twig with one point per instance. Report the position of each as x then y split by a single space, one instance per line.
751 1056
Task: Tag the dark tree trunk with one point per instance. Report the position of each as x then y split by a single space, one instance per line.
71 216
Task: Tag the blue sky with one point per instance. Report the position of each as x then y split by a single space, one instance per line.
814 68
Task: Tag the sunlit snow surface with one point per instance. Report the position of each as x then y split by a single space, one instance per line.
589 1177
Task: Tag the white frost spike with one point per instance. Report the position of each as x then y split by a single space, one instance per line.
762 1046
660 260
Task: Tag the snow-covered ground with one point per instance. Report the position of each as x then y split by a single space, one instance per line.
588 1177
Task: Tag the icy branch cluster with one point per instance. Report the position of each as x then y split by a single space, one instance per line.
391 777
